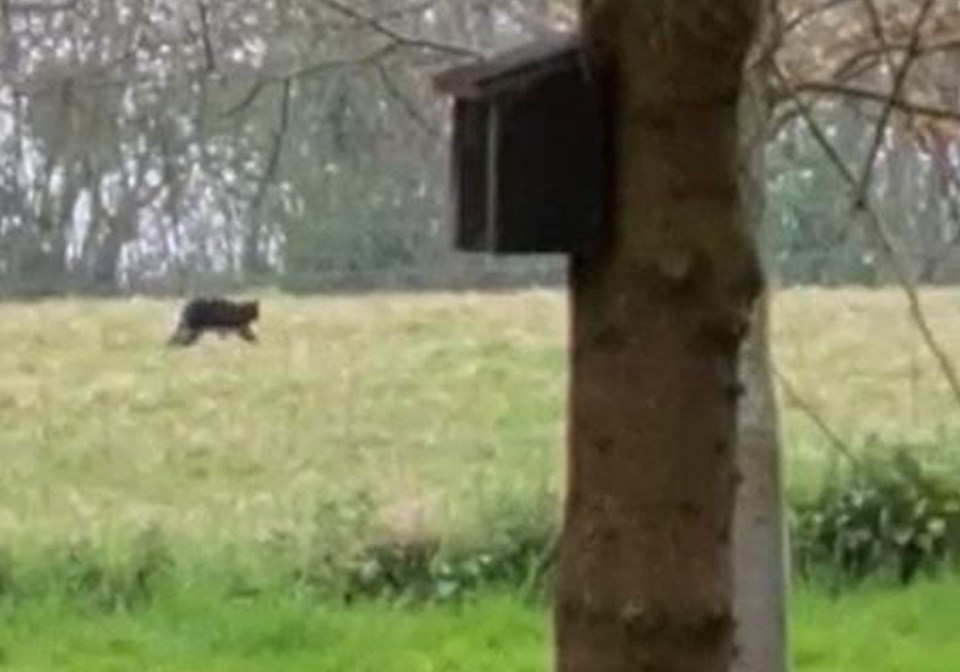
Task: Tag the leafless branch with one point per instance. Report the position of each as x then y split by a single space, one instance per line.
898 103
867 57
900 78
210 63
876 25
367 59
928 46
248 99
883 238
401 12
796 398
397 93
378 25
811 13
261 84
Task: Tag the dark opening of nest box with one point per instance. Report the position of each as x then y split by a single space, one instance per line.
528 157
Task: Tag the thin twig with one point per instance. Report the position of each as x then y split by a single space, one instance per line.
409 10
377 25
397 93
884 240
810 410
900 104
900 78
248 99
876 24
318 68
811 13
865 58
210 61
260 85
805 113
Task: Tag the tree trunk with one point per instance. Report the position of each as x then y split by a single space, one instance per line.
759 548
760 566
646 575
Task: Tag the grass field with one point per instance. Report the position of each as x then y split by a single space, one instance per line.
437 409
377 417
426 405
910 631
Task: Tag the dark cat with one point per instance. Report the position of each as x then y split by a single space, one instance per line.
218 315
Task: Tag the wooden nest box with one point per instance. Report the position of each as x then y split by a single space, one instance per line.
527 161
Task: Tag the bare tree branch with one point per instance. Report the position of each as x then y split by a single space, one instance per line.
847 91
876 25
367 59
801 17
248 99
867 57
209 61
313 70
413 9
900 78
396 92
378 25
796 398
883 239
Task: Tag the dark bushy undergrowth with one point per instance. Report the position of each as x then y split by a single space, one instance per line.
887 517
89 573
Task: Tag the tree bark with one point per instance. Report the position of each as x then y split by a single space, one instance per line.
646 571
760 560
759 548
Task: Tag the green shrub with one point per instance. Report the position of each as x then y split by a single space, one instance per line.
883 515
887 516
91 572
511 549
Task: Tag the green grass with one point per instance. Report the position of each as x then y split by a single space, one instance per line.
880 631
913 630
431 406
190 634
368 418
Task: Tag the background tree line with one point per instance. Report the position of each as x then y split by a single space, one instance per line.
160 146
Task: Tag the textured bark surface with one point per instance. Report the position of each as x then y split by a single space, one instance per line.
759 547
760 567
646 577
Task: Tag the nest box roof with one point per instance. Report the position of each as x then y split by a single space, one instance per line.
513 68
